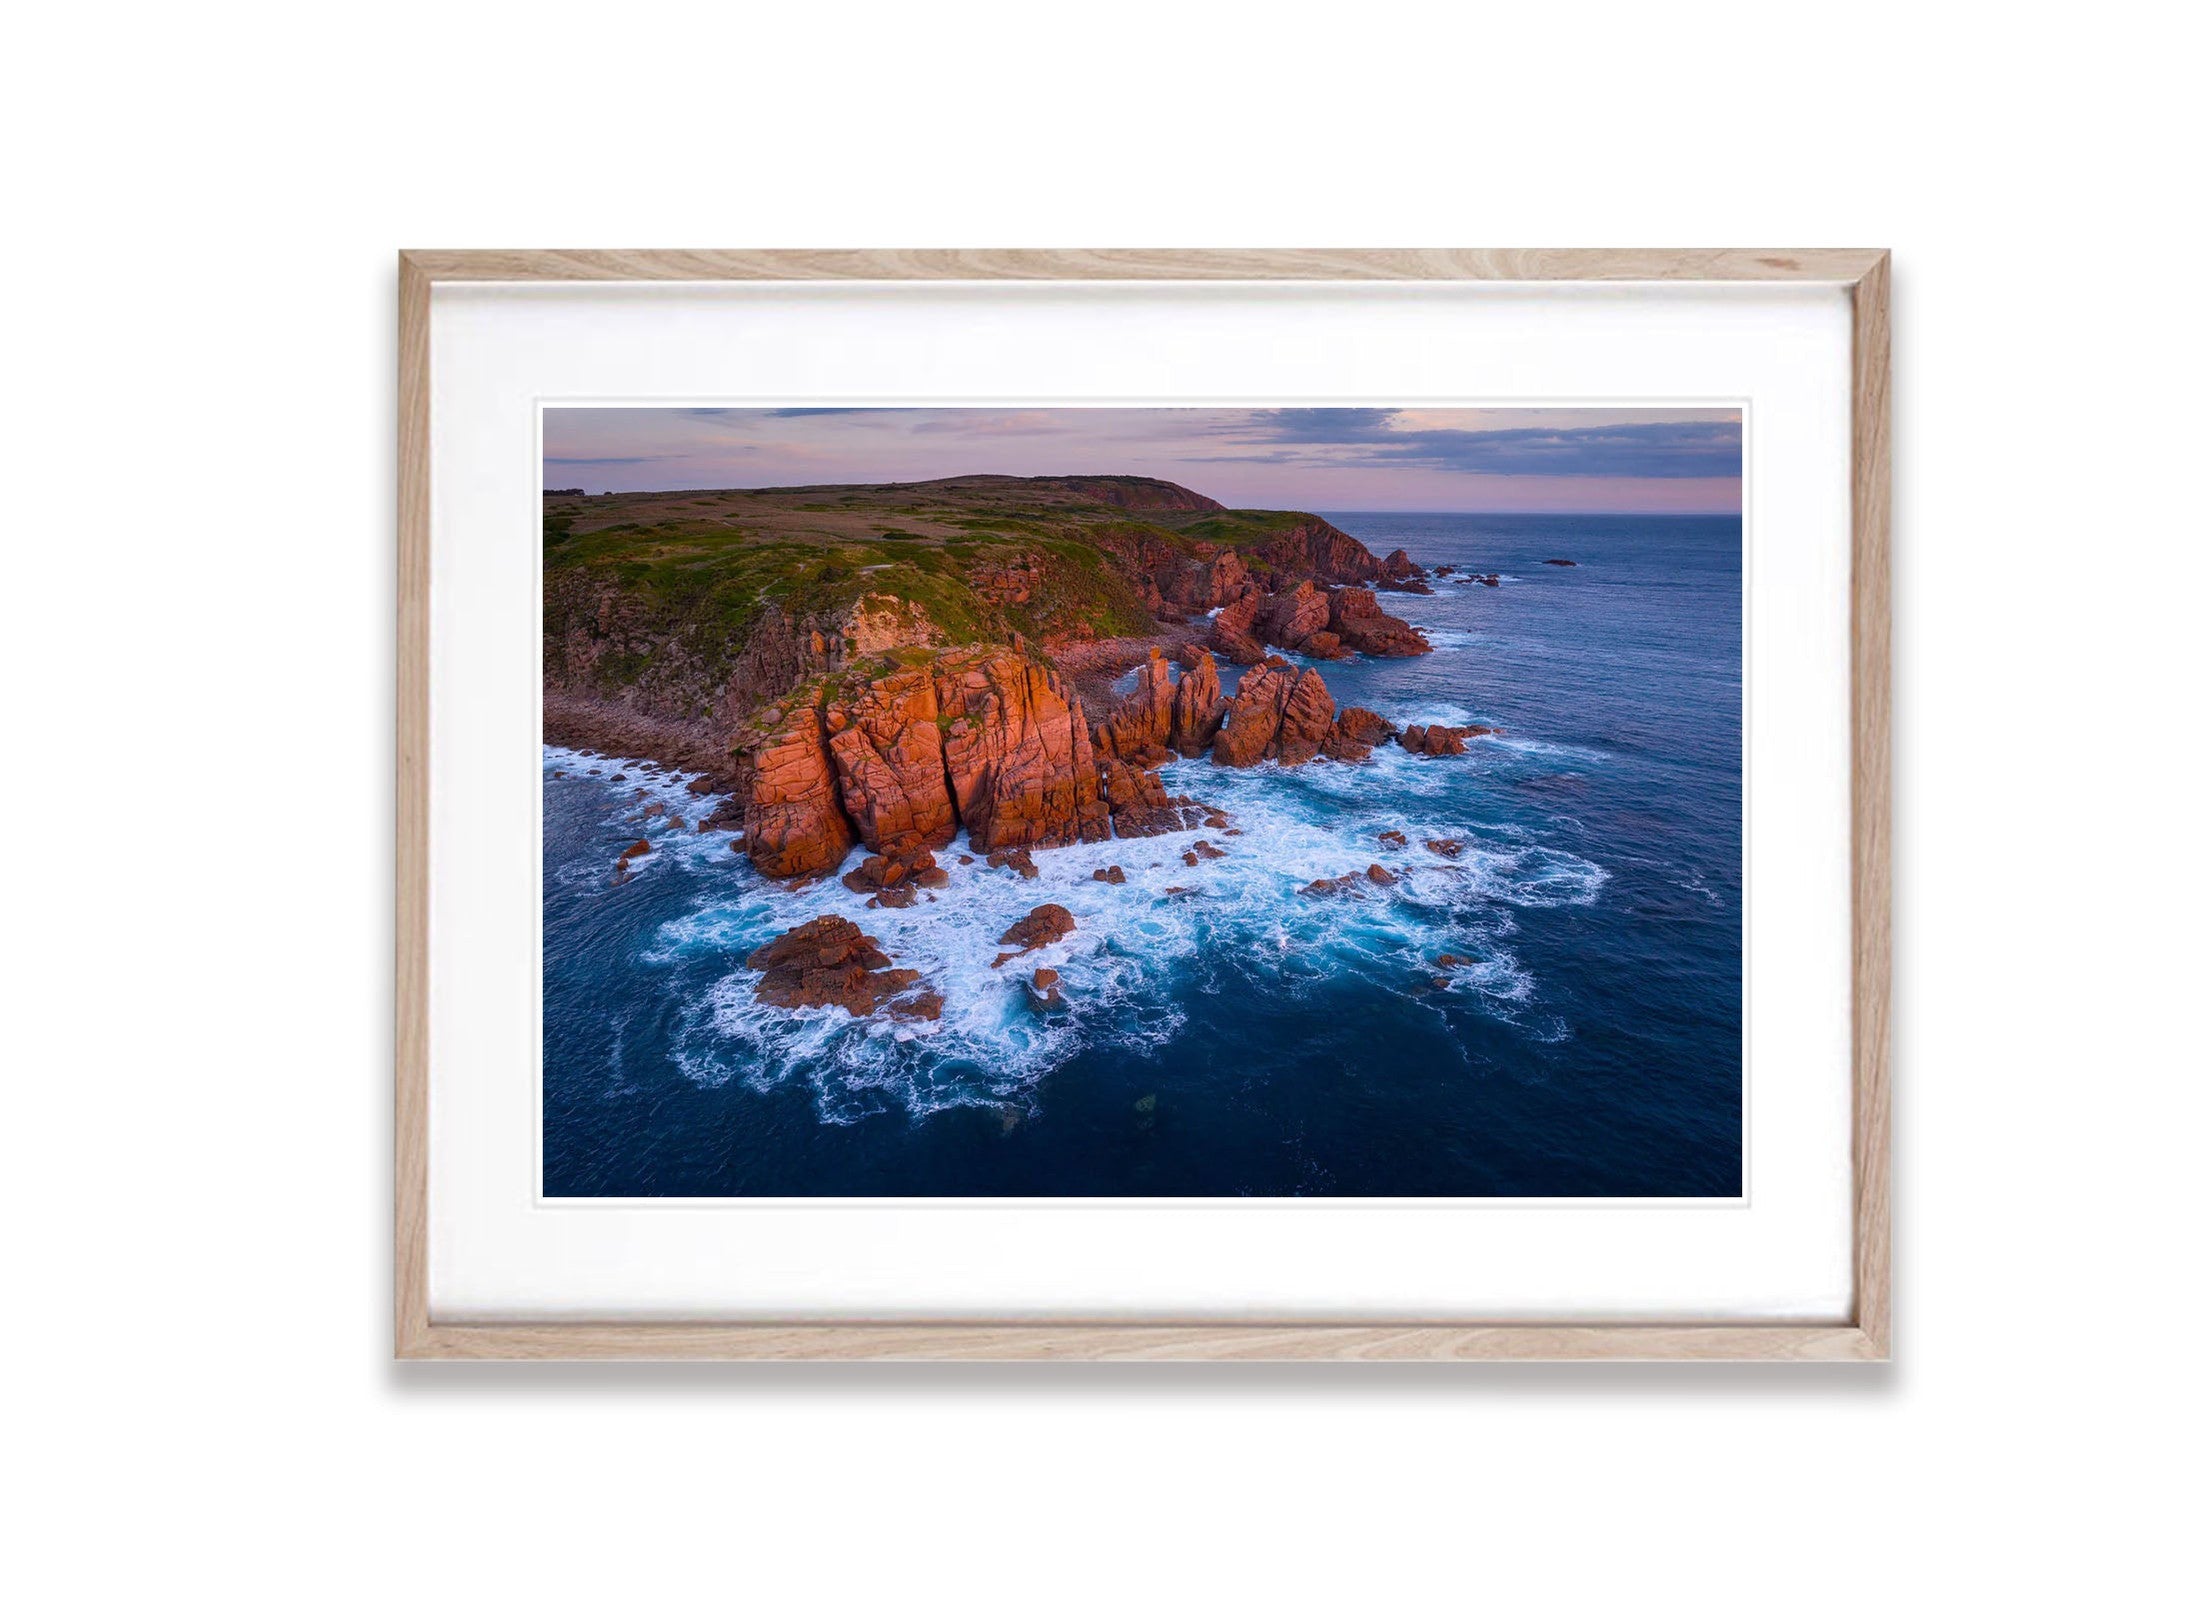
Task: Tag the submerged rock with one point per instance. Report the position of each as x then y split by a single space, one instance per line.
1327 887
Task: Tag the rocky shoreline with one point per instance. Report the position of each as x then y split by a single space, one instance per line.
871 727
874 727
904 751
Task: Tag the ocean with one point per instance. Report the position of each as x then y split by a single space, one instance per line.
1242 1039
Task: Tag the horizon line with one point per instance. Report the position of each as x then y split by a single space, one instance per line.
1343 510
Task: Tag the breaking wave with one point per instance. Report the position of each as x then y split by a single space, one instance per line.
1140 959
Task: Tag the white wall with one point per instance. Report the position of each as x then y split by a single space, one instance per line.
197 512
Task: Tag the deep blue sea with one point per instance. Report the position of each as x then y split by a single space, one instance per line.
1243 1039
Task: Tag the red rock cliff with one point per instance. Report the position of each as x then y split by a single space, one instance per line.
886 748
794 821
1017 752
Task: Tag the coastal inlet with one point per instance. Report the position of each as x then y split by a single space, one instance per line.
1241 862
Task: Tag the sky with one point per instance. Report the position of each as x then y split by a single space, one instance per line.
1312 458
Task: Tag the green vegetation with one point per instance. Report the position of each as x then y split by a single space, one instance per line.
659 593
1243 527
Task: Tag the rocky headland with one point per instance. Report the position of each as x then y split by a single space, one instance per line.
893 665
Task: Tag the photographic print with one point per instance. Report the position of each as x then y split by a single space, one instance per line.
1131 802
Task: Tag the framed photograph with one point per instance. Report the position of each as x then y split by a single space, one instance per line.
1143 804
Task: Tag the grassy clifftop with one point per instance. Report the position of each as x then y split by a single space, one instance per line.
650 597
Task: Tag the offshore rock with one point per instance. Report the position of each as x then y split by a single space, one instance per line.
1363 726
1436 739
829 961
1329 887
922 1006
1357 733
1049 924
893 781
1357 617
894 871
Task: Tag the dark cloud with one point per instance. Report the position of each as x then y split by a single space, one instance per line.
605 460
1313 436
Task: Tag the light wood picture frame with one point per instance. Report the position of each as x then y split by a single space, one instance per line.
1862 1336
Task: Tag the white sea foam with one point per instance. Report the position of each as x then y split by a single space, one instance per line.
1137 952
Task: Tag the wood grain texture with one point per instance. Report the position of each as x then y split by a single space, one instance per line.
1040 1340
1866 1337
1180 266
1870 627
411 1253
